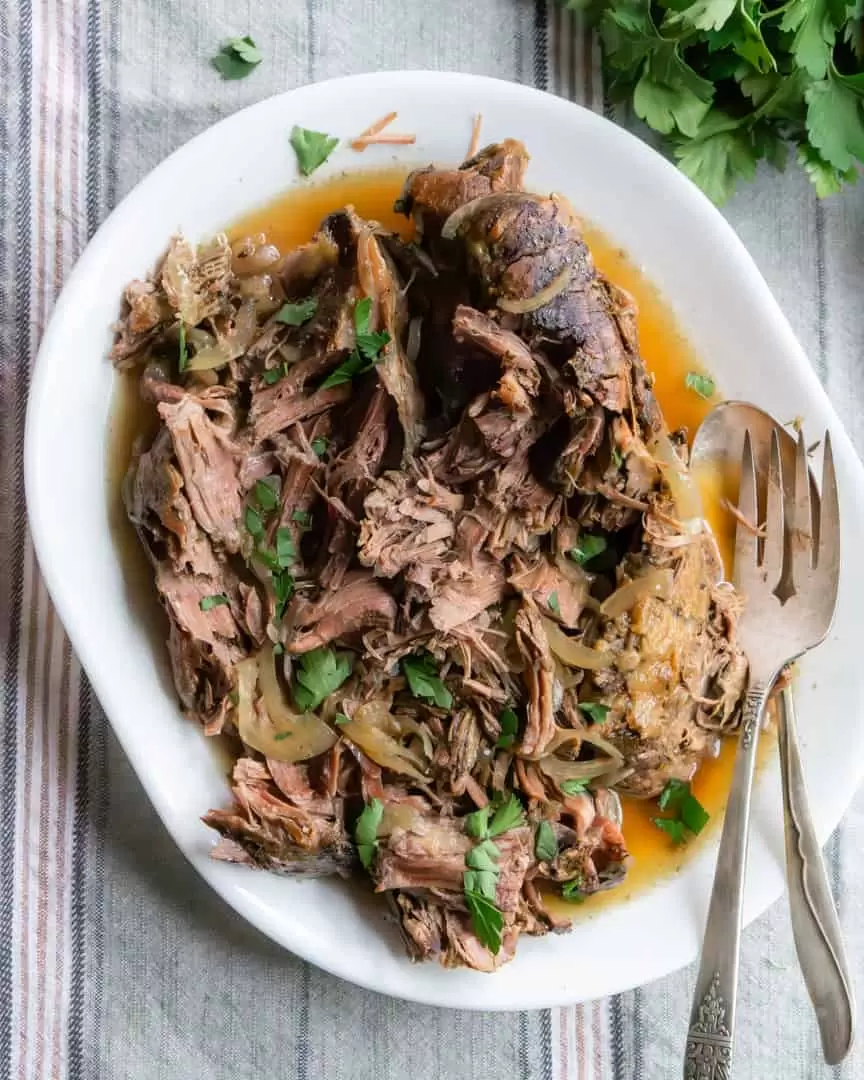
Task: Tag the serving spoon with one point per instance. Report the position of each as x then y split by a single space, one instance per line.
815 926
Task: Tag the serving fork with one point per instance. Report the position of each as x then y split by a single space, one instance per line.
787 569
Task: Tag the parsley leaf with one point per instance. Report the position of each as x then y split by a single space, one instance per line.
267 493
672 794
286 552
341 719
572 891
573 787
207 603
509 722
545 842
553 603
319 446
688 814
588 547
254 524
183 352
367 351
693 814
508 816
835 118
617 460
673 829
312 148
486 920
318 674
823 175
423 680
272 375
595 712
298 313
237 58
302 517
283 589
477 824
366 831
345 372
484 857
703 385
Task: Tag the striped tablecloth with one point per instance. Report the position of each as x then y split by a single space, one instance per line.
115 960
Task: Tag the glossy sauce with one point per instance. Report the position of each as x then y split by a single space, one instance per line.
291 221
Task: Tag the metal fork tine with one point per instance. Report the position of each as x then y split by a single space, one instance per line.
746 541
828 551
775 532
800 518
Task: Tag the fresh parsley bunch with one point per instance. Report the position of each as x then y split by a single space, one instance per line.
732 82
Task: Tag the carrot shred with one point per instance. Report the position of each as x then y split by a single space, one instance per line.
362 141
373 129
475 135
757 530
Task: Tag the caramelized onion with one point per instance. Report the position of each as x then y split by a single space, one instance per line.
574 653
231 346
545 296
561 771
368 730
676 475
453 225
277 731
656 582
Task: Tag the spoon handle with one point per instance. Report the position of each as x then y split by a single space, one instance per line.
712 1020
815 926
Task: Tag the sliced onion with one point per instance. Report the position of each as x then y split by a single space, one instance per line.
656 582
593 736
574 653
277 731
453 225
682 486
560 771
231 345
366 730
546 295
412 348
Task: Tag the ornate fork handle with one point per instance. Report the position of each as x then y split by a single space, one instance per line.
712 1021
815 926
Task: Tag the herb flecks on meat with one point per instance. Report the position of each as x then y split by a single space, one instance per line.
427 549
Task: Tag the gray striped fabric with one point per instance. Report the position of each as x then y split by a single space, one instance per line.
115 961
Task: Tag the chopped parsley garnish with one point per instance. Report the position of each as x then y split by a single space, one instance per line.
312 148
673 829
573 787
486 920
366 831
340 718
595 712
183 352
278 649
267 493
319 446
553 603
572 891
545 842
423 680
367 349
282 735
318 674
283 590
688 815
272 375
206 603
491 821
237 58
297 313
509 722
617 460
254 524
286 552
588 547
302 517
703 385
